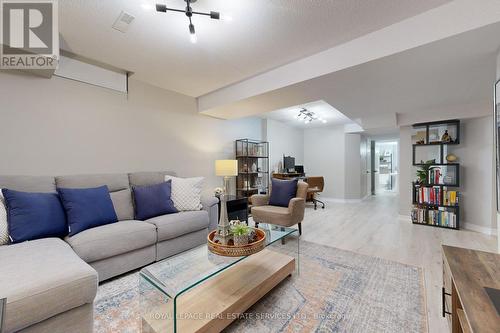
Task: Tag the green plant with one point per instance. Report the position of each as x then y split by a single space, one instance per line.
423 170
240 229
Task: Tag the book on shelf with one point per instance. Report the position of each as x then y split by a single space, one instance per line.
440 217
436 195
435 176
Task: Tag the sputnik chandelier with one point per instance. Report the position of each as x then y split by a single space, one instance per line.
308 116
188 11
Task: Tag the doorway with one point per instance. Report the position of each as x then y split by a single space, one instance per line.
384 166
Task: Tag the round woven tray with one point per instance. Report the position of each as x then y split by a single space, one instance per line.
237 251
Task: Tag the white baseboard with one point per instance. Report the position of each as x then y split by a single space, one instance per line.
479 228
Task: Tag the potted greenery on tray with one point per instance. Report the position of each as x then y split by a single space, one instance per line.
241 233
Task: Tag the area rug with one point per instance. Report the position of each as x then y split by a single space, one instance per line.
336 291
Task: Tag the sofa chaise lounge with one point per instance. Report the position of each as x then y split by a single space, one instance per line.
50 284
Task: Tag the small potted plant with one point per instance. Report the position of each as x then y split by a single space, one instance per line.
241 233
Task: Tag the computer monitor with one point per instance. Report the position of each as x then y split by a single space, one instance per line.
288 163
299 169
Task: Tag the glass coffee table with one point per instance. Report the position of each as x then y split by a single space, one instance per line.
198 291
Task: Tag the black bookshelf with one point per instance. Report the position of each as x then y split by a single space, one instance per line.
446 175
253 167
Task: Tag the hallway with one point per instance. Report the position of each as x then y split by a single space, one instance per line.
373 227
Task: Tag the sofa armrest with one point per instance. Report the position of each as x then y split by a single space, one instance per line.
210 204
259 200
296 207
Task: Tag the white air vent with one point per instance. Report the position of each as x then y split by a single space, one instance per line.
123 21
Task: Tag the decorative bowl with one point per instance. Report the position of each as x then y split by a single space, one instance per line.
230 250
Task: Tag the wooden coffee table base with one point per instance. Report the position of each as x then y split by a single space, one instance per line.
215 303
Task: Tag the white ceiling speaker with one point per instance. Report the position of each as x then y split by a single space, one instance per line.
123 22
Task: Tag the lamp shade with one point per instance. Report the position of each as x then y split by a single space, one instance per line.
226 168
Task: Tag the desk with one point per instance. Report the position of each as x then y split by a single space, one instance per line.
466 303
288 175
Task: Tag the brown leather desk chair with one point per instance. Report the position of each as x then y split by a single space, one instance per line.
316 185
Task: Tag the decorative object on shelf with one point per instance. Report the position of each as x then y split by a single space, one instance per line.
447 180
420 142
433 135
254 167
256 244
446 138
423 171
241 233
451 158
308 116
188 11
226 169
218 191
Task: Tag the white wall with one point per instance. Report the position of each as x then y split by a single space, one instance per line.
475 158
58 126
284 139
476 166
324 155
337 156
353 182
406 174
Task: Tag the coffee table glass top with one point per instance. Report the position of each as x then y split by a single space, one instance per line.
177 274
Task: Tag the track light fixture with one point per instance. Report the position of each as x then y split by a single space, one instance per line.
189 13
308 116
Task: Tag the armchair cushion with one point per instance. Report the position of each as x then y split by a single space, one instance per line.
282 192
259 200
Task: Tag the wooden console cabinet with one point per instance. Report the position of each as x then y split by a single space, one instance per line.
465 301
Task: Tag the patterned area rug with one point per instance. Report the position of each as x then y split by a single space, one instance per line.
336 291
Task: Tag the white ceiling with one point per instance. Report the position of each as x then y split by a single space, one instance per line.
264 34
321 109
452 77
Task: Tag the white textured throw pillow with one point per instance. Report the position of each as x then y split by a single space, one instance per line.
4 230
186 192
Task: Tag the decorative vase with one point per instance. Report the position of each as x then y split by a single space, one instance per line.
451 158
240 240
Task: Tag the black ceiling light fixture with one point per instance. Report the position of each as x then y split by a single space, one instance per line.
189 13
308 116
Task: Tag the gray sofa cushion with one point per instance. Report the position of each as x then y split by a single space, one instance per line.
178 224
122 201
41 279
112 239
148 178
42 184
115 182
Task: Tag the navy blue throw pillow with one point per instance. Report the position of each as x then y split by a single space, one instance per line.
282 191
87 208
153 200
34 215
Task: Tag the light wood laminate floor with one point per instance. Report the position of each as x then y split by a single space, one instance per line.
373 227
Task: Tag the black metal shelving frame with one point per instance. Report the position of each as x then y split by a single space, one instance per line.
249 152
428 206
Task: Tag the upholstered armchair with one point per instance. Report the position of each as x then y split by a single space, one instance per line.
262 212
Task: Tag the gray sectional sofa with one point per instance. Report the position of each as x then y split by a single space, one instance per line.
50 284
